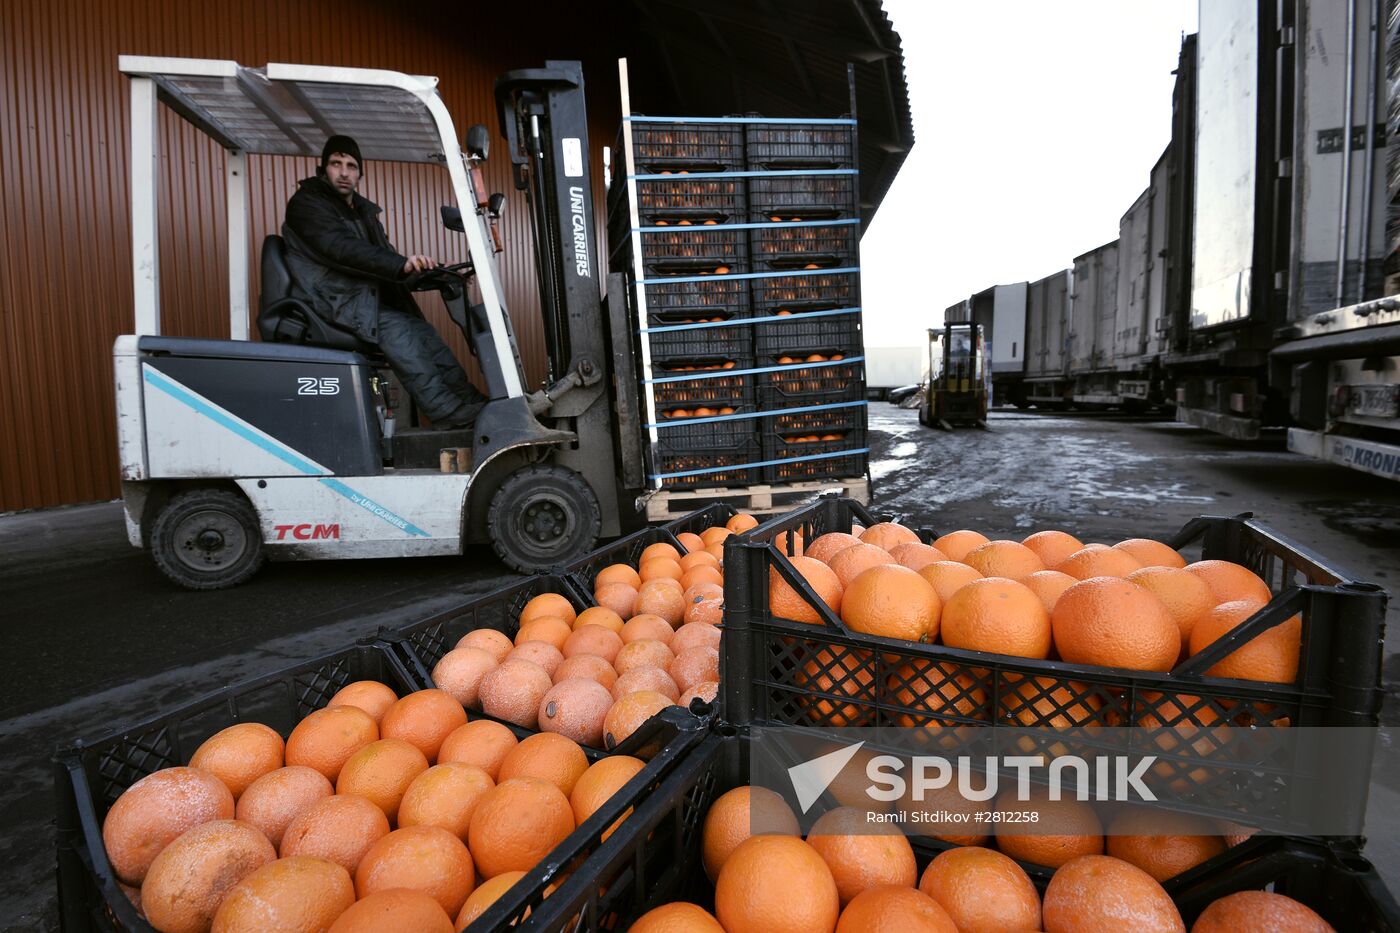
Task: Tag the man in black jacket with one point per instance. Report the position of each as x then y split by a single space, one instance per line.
343 266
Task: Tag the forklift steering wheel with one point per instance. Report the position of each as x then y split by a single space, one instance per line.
438 276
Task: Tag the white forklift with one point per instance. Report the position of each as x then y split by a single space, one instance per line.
293 446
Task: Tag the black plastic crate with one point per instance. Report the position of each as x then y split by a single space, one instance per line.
695 250
708 388
766 678
662 839
816 450
798 145
825 246
89 777
802 197
713 468
849 417
719 296
692 196
796 387
628 549
725 341
802 334
805 291
665 146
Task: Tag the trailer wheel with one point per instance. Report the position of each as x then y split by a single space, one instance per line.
207 539
542 516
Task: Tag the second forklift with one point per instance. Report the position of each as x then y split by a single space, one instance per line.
956 390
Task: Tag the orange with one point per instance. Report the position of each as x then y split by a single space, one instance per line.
924 685
982 890
239 755
618 573
780 541
540 653
1151 553
629 714
741 523
948 576
703 590
1183 719
420 858
340 828
272 801
327 738
482 743
548 757
699 558
597 785
381 772
517 824
892 602
704 692
494 643
621 598
695 635
861 856
997 615
829 545
716 551
1229 581
658 550
486 894
550 630
1052 546
1259 910
647 626
776 884
851 562
423 719
1049 703
1049 585
646 678
1003 559
592 639
644 652
701 575
704 610
1098 562
1066 829
957 544
784 601
1163 844
460 672
190 877
678 917
588 667
657 599
659 567
739 814
691 542
1113 623
1096 892
845 672
944 813
885 535
574 709
715 535
371 696
301 894
513 691
394 911
1185 596
545 605
1270 656
695 666
153 812
445 796
916 556
891 907
597 615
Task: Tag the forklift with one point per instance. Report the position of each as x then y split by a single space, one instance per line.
296 446
957 387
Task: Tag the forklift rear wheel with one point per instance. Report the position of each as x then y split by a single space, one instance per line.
207 539
542 516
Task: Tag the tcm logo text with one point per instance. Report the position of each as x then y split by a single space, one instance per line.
307 532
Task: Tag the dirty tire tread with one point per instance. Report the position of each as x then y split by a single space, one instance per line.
515 490
179 505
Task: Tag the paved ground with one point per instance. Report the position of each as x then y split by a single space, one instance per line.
94 637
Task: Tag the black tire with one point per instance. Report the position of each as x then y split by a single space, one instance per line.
207 539
543 516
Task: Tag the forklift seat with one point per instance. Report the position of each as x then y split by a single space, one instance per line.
285 319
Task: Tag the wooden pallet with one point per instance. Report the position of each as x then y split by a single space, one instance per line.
666 504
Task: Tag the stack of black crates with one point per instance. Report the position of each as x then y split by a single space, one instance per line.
743 268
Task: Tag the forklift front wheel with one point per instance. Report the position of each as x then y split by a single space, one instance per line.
542 516
207 539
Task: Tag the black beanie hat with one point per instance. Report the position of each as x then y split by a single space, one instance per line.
341 144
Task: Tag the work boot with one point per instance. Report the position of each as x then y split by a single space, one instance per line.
464 416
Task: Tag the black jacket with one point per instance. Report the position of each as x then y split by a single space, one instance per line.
344 273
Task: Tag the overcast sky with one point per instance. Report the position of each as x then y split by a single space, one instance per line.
1036 126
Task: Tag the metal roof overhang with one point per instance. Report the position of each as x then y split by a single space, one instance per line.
779 58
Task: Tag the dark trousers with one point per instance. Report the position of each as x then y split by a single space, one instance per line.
427 369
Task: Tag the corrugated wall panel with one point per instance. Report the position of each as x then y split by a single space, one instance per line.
65 249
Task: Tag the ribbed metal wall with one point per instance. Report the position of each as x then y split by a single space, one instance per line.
65 247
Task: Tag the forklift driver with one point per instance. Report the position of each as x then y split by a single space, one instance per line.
343 266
